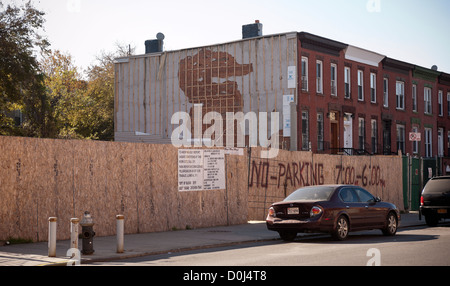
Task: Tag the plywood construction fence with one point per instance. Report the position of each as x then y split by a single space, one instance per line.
42 178
271 180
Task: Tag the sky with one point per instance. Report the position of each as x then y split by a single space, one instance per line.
417 32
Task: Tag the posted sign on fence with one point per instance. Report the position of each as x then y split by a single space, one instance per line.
201 169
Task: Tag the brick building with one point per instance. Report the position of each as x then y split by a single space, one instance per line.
353 100
344 99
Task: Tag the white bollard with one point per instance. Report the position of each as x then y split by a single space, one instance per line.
74 232
120 232
52 236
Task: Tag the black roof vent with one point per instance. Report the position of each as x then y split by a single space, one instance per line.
252 30
155 46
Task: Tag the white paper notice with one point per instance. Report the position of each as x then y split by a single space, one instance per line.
201 169
190 170
213 169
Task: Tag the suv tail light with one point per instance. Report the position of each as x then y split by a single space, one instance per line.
421 200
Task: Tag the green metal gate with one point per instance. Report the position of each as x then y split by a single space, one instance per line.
416 173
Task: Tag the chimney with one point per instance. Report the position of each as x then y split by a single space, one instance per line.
252 30
155 46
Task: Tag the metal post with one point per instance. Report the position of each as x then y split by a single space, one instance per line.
52 236
120 233
74 232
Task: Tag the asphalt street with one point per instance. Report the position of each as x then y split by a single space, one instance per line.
418 246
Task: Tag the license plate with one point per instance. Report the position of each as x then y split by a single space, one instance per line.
293 211
442 211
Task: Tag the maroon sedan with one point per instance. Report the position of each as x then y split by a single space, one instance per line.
335 209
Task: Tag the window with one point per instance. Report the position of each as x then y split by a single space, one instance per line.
415 144
374 136
320 131
427 100
361 133
333 73
305 130
347 82
448 143
441 142
360 85
448 104
364 196
401 138
385 92
348 196
414 98
441 103
319 78
400 92
428 142
304 74
373 88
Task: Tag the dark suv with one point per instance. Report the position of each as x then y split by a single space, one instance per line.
435 200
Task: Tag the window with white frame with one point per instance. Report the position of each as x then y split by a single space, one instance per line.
448 105
374 136
304 74
333 74
385 92
428 142
415 144
401 138
414 98
441 103
319 77
427 100
448 143
320 131
347 82
373 87
360 85
361 133
440 139
305 130
400 93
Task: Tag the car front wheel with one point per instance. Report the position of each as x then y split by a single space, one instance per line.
391 225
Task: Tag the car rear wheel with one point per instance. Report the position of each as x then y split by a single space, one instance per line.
287 235
391 225
341 230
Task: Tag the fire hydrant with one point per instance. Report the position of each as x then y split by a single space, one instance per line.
87 234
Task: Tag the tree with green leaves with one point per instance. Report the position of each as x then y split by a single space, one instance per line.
21 82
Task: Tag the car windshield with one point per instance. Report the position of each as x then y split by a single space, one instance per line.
316 193
438 185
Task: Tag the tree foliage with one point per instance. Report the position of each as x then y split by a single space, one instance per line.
56 100
20 78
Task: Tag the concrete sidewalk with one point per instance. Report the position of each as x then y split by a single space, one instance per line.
35 254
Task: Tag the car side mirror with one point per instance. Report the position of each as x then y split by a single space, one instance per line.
377 199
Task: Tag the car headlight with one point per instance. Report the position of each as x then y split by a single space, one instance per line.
272 212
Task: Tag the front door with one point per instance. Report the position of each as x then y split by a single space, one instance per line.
334 140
